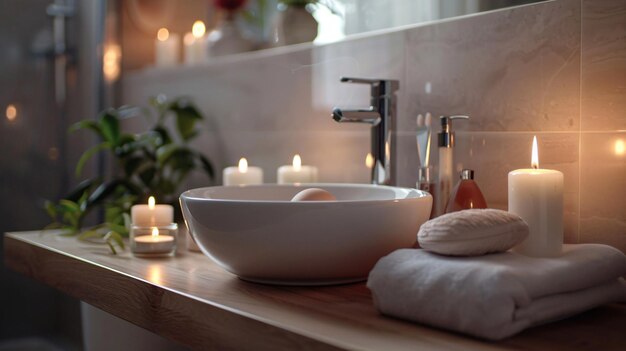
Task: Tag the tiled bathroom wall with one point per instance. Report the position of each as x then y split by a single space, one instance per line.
555 69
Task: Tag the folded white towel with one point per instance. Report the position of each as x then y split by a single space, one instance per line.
496 296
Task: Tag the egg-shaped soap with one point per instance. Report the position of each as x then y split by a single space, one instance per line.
472 232
314 194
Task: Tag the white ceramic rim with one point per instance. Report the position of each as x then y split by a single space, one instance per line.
400 193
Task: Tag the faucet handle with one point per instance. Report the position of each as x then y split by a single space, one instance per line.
390 85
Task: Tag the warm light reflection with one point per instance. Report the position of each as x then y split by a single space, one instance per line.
620 147
198 29
369 161
151 202
155 232
53 153
111 62
163 34
243 165
155 274
188 39
11 112
534 160
297 162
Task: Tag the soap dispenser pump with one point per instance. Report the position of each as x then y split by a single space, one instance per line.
466 194
445 141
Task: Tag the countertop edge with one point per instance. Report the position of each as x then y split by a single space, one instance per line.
209 326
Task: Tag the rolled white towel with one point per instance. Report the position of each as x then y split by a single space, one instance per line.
496 296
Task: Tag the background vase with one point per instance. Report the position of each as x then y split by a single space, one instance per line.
294 24
227 39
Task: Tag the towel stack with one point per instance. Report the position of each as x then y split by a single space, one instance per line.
496 296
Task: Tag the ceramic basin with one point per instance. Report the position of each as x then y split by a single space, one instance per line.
257 233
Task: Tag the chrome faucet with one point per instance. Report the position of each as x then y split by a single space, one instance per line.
381 116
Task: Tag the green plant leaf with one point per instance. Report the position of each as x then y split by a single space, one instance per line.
164 153
88 234
128 111
89 154
186 117
81 188
164 135
111 247
51 209
105 190
110 126
69 206
147 176
86 124
133 164
114 237
206 165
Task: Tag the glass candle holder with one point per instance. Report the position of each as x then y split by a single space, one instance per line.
153 241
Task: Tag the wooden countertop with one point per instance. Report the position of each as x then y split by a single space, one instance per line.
191 300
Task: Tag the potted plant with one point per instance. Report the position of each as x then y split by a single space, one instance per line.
152 163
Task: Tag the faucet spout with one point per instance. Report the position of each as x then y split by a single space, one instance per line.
368 115
381 116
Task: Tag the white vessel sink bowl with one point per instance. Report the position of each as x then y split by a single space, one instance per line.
257 233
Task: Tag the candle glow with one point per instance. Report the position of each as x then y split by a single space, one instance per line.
243 165
534 161
11 112
619 147
297 162
369 161
163 34
151 202
198 29
155 231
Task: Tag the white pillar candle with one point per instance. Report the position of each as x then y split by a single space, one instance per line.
196 44
296 173
536 195
166 48
242 174
152 215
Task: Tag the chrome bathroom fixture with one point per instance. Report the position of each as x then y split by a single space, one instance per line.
381 116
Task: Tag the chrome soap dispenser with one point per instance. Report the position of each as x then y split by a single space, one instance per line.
445 142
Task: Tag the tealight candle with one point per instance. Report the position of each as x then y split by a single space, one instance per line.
296 173
536 195
166 48
242 174
152 215
154 241
196 44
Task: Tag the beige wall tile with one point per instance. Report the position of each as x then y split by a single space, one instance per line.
512 70
603 70
603 188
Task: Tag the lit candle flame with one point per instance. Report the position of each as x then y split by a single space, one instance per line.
297 162
151 202
369 161
534 161
243 165
155 232
11 112
163 34
198 29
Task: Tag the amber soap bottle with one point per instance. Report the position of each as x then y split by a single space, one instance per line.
466 194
